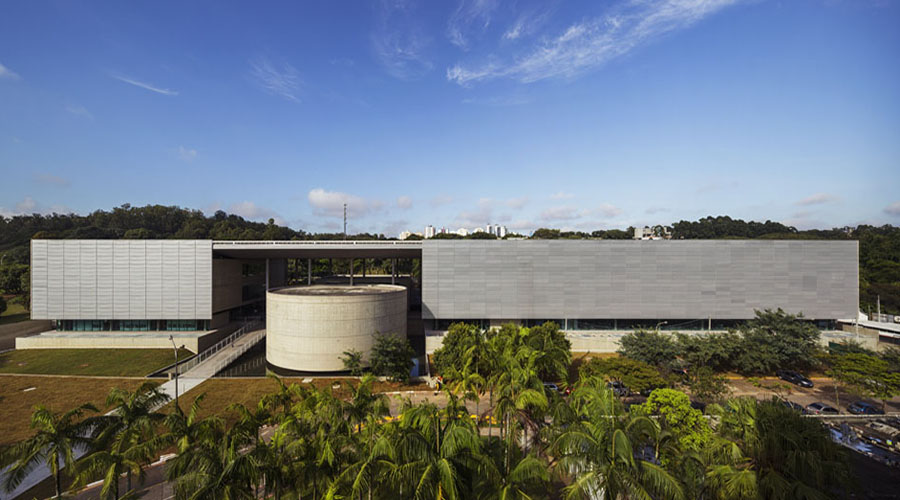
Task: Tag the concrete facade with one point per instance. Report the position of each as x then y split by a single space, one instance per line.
308 328
685 279
121 279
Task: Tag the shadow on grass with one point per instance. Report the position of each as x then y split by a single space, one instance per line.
13 318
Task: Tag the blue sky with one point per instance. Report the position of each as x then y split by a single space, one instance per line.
582 115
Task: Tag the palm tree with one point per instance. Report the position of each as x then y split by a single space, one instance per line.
364 402
373 465
57 438
527 478
767 450
215 468
601 449
126 441
439 452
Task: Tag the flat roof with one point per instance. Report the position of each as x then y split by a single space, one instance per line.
338 290
312 249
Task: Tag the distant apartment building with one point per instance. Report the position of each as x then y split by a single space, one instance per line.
652 233
429 231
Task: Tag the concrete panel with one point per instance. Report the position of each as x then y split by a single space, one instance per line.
690 279
308 328
121 279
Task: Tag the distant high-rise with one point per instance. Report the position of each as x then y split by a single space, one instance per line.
490 229
501 231
429 231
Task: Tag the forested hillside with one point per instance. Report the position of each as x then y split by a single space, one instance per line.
879 247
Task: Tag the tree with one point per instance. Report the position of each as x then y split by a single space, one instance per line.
650 347
677 416
553 348
461 346
636 375
392 357
352 360
57 437
2 305
706 385
598 444
775 340
868 374
713 350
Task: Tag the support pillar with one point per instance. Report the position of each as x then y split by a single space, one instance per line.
351 272
267 275
308 272
393 271
364 267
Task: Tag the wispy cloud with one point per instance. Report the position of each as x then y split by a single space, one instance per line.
608 210
404 202
331 204
29 206
471 18
8 74
560 213
518 203
482 214
818 199
656 210
283 81
561 195
77 109
399 41
186 154
586 45
144 85
528 22
498 101
52 180
893 209
441 199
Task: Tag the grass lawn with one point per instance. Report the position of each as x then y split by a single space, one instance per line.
96 362
57 393
14 312
221 392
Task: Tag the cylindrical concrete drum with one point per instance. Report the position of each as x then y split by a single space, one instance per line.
308 328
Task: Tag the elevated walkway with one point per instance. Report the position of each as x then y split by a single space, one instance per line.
211 361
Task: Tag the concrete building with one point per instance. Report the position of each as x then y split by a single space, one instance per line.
136 293
429 231
309 328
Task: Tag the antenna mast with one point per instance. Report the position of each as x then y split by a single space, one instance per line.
345 221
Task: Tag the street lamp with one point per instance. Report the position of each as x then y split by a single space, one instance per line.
175 348
660 324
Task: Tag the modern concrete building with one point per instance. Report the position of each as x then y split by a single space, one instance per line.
147 289
308 328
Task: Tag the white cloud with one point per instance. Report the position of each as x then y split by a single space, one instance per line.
186 154
26 206
281 82
499 101
8 74
53 180
656 210
331 204
818 199
252 211
399 42
482 214
517 203
29 206
77 109
404 202
608 210
561 195
470 19
586 45
893 209
143 85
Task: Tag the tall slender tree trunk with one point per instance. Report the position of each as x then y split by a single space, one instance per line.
58 482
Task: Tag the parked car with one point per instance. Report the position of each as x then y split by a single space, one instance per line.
863 408
792 405
549 387
618 388
821 409
794 378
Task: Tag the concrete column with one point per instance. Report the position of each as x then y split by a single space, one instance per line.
309 271
351 272
364 267
393 270
267 275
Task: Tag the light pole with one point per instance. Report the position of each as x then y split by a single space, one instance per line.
660 324
175 348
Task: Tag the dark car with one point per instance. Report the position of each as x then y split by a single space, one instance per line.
618 388
863 408
821 409
794 378
551 387
792 405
